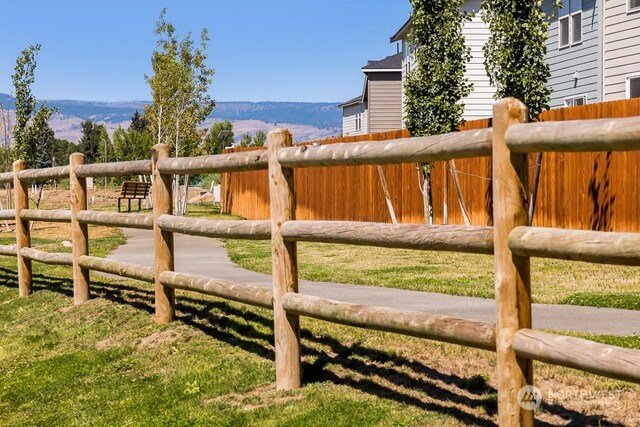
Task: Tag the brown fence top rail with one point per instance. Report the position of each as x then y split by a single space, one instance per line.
575 136
6 178
231 162
134 167
58 172
456 145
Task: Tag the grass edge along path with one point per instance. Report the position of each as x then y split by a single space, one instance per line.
553 281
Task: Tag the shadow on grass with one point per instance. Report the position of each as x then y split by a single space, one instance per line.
372 371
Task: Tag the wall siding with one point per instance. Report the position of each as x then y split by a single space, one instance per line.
584 57
621 48
349 120
479 104
385 101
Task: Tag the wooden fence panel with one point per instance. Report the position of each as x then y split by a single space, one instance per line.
576 190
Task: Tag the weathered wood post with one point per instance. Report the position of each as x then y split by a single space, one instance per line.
285 265
512 278
79 231
165 298
23 234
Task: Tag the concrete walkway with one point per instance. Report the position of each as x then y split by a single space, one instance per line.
208 257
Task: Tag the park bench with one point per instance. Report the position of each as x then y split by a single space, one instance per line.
133 191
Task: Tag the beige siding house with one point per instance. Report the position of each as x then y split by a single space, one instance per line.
621 49
479 103
379 107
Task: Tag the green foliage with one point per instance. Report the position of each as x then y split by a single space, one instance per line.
94 137
514 54
435 87
31 133
139 122
131 144
179 87
246 140
61 150
259 139
213 143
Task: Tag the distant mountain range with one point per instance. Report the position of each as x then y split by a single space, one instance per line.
312 120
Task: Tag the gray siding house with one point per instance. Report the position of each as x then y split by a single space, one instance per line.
621 49
574 52
379 107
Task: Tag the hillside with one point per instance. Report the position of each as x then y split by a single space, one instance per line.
307 120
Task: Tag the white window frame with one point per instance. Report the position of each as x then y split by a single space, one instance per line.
358 122
631 9
573 98
627 83
569 17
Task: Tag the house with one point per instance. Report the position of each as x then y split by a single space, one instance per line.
379 107
621 46
479 103
574 52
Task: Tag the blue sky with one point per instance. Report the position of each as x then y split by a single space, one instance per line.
282 50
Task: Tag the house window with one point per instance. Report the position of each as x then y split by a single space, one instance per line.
633 5
570 23
358 122
575 100
633 87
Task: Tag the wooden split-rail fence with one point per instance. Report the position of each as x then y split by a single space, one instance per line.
510 240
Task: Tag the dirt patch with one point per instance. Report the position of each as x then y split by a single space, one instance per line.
159 339
261 397
108 343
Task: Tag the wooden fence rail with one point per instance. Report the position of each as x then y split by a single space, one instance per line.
511 241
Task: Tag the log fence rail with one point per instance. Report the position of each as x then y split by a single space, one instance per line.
511 241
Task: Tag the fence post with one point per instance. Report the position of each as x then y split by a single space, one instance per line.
23 234
165 298
285 265
79 231
512 277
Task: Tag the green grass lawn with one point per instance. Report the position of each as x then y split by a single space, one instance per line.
552 281
106 362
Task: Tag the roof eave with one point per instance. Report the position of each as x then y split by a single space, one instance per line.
402 32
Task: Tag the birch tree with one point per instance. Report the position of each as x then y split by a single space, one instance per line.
179 87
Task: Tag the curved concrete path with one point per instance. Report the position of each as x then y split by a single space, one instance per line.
208 257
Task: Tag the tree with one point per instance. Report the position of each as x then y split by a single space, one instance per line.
30 123
94 137
179 87
259 139
515 51
131 144
215 141
45 137
435 88
139 122
246 140
61 151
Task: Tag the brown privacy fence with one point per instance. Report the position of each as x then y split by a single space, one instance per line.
576 190
511 241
